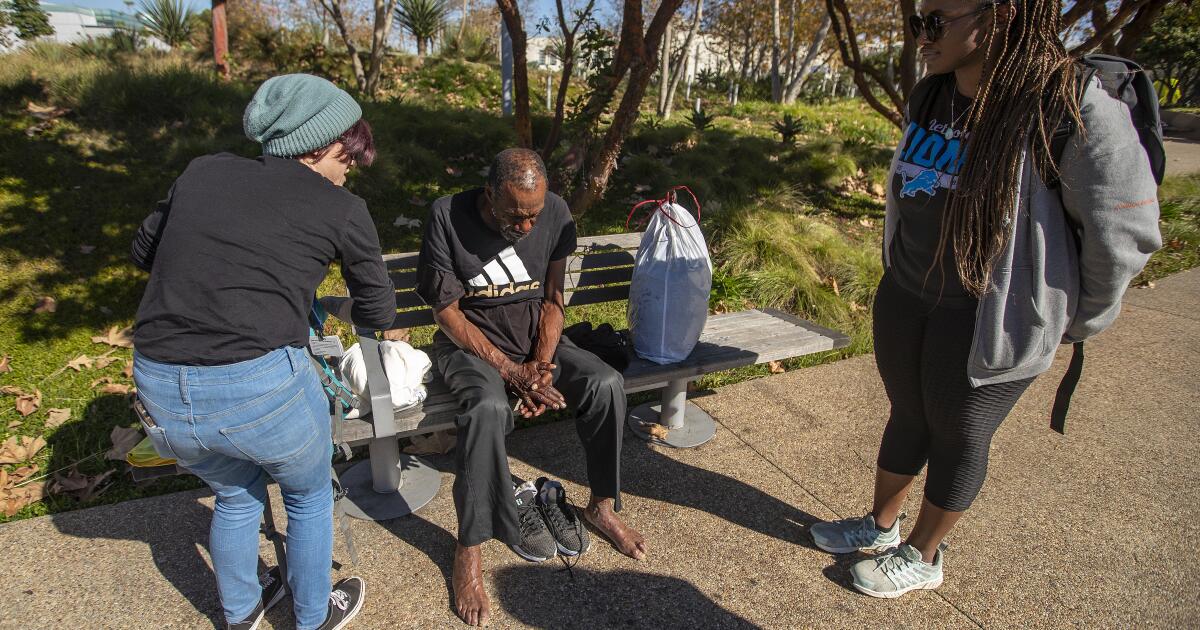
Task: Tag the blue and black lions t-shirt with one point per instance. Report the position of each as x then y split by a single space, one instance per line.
930 160
499 285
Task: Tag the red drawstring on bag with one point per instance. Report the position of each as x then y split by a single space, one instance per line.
659 203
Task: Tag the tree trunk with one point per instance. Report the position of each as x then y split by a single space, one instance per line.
220 38
639 53
689 51
664 71
334 7
776 83
462 23
379 35
908 50
801 74
516 30
568 68
1136 30
847 40
1104 33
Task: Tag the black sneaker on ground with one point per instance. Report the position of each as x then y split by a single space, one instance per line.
537 544
562 518
345 601
273 590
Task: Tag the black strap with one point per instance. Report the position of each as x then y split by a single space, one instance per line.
1062 399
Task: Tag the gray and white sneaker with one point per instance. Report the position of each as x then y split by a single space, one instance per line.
897 571
537 543
561 518
854 534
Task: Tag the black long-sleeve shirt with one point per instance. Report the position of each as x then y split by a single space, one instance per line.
236 252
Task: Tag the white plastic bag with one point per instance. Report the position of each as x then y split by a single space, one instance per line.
406 370
668 295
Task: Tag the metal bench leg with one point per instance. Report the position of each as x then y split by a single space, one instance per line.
390 484
687 425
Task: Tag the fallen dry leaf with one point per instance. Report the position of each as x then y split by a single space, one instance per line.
102 362
396 334
655 430
776 367
28 403
12 500
11 390
45 305
17 449
79 485
128 369
123 440
56 417
119 389
80 363
120 338
5 366
101 381
14 424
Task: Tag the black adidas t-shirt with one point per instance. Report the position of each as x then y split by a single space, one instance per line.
930 160
499 285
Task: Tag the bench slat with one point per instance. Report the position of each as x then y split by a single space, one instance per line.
599 261
627 240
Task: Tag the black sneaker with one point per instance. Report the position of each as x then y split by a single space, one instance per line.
537 544
345 601
273 590
562 518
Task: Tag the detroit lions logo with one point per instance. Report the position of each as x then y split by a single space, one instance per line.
926 181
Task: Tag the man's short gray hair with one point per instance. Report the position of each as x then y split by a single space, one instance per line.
522 169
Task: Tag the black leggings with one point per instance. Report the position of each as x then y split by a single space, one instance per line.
937 417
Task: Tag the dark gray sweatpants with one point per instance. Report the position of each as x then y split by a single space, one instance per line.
483 492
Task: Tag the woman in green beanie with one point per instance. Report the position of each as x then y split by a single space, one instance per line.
235 254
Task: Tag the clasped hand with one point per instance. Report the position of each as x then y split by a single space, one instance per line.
533 384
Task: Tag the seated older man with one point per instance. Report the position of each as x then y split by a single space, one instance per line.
492 267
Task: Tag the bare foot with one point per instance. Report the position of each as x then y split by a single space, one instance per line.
627 540
470 600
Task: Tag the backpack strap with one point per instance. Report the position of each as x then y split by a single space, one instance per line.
1084 74
1062 398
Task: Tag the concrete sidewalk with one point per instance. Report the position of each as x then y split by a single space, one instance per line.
1091 529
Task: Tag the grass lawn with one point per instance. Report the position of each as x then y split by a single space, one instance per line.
791 226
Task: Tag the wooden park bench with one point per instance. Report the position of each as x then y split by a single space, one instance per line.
392 485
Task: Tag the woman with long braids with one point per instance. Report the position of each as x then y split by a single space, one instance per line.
988 269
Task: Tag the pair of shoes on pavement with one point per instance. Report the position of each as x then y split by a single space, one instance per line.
549 524
345 600
896 571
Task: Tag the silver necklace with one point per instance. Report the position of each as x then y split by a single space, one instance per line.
949 132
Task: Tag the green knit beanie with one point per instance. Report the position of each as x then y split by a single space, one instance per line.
294 114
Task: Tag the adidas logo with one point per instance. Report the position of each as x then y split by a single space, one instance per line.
503 275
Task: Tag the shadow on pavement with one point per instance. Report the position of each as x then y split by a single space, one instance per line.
647 471
547 596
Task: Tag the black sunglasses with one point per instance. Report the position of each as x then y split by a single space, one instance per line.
932 25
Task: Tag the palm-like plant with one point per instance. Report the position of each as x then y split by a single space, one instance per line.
422 18
168 20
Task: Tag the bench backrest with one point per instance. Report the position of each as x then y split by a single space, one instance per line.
598 271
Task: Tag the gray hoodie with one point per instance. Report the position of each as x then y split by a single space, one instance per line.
1046 290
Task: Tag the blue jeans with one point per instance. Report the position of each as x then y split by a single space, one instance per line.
232 426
